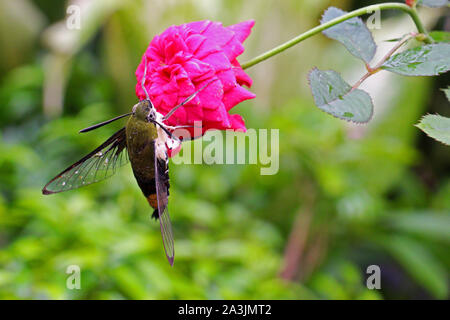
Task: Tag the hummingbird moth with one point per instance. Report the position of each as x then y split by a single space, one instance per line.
143 142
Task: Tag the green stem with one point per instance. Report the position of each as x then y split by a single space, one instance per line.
356 13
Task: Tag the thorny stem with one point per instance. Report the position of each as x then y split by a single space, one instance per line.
372 71
356 13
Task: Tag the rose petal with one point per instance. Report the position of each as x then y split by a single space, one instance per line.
211 96
196 27
237 122
241 76
194 42
236 96
217 33
218 60
183 59
242 29
233 49
228 79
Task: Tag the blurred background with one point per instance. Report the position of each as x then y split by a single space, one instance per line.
346 197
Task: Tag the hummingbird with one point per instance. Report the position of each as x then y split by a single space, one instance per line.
144 142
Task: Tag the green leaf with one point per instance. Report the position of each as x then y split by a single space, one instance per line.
440 36
419 263
352 33
447 93
433 3
436 126
336 97
427 60
429 224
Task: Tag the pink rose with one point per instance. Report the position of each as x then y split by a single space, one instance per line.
183 59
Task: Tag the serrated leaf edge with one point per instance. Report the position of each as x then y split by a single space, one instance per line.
415 75
420 122
371 35
348 120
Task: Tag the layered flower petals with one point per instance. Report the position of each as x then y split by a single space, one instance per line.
185 58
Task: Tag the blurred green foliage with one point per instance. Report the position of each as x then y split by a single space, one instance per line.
345 197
